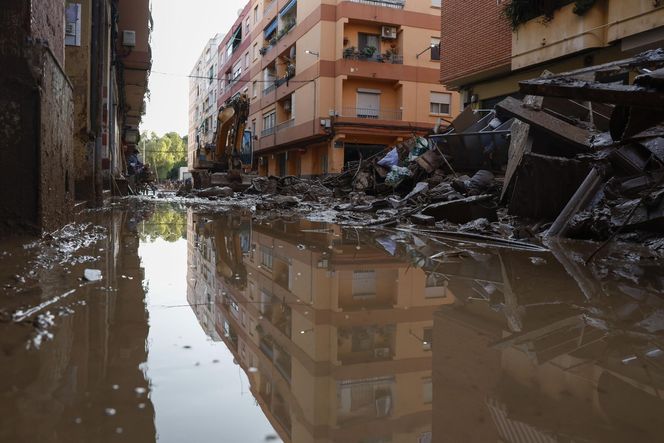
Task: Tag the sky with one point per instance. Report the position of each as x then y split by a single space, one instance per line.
181 30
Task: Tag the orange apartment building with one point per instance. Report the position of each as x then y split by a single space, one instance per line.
333 80
483 58
335 335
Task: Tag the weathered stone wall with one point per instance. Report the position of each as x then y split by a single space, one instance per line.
18 145
47 23
56 145
36 114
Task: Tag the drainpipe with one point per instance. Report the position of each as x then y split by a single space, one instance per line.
96 113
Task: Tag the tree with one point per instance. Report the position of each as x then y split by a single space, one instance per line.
163 153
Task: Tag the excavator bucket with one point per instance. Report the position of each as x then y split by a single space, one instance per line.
224 125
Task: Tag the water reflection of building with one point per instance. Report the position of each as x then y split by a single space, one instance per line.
334 333
545 355
94 360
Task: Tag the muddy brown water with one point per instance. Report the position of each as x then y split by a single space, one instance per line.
229 327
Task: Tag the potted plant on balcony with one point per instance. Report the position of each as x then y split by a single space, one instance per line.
369 51
273 40
346 41
349 52
263 50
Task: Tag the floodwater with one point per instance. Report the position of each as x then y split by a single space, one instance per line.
227 327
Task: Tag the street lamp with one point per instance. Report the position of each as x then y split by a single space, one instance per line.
428 48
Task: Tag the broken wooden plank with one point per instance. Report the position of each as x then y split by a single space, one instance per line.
588 189
465 120
463 210
626 95
557 128
653 59
521 143
654 79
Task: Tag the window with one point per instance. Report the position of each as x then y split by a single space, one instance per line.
237 71
440 103
436 286
246 60
427 390
323 164
269 123
254 88
256 15
266 257
368 103
435 48
253 126
364 284
255 51
369 45
436 3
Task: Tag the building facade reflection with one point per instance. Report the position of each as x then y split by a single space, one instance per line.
94 359
335 329
334 333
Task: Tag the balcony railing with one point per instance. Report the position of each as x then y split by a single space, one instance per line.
280 127
269 89
395 4
395 59
374 114
268 131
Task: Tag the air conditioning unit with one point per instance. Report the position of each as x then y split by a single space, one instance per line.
382 352
389 32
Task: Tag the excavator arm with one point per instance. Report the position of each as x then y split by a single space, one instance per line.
231 122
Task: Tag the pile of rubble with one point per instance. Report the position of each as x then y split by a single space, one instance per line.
581 156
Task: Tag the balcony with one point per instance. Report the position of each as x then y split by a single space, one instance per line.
374 114
352 54
394 4
269 89
268 131
280 127
538 41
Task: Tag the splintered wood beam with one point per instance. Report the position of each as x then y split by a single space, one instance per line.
549 124
626 95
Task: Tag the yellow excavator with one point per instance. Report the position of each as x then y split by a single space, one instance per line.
233 150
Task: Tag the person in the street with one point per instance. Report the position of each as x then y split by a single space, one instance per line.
134 165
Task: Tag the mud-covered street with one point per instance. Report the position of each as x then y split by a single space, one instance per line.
228 325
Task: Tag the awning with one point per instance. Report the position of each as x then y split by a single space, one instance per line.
287 8
269 29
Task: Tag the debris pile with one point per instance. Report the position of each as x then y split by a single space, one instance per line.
580 156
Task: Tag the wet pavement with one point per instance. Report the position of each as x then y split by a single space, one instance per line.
235 327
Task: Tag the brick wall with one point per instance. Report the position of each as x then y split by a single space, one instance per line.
474 38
